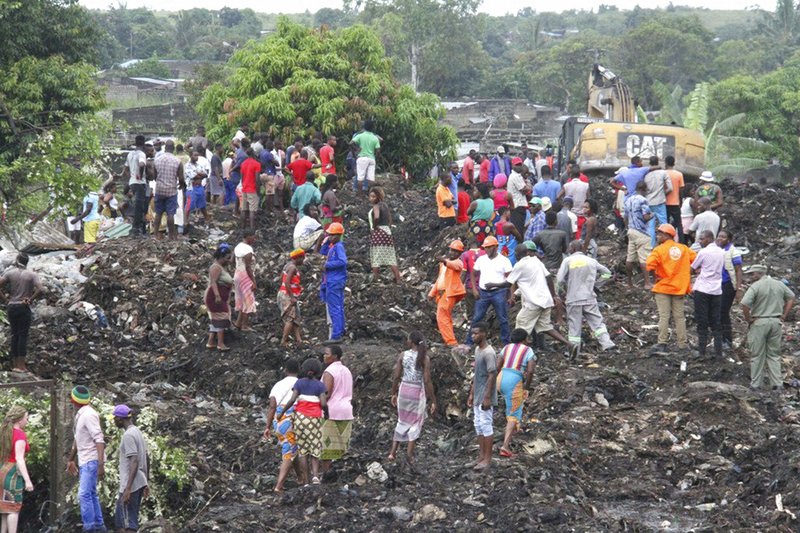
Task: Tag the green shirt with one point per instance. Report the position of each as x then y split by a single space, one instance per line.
307 193
766 297
484 210
368 142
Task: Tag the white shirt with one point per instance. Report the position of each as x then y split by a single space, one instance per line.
707 220
135 158
515 185
305 226
530 275
492 270
282 390
686 208
241 251
539 164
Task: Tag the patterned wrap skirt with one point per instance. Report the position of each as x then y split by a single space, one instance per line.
308 432
13 485
411 403
480 229
284 430
245 296
290 312
510 384
335 438
381 247
219 314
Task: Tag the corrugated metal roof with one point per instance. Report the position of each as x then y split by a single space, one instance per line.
40 238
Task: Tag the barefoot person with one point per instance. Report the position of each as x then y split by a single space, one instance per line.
23 288
288 295
244 280
515 366
483 393
381 242
279 421
311 397
217 295
410 394
14 472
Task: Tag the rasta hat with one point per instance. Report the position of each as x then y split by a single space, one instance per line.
335 229
80 395
516 161
297 252
707 176
669 229
122 411
489 241
457 245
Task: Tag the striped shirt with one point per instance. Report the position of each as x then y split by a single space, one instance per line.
516 356
167 175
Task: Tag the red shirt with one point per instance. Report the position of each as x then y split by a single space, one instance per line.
484 171
463 204
584 178
299 168
468 170
250 169
326 158
18 435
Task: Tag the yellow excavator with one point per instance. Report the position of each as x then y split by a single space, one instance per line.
610 135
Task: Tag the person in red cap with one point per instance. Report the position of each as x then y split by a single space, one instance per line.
671 262
494 268
519 189
288 294
134 469
448 290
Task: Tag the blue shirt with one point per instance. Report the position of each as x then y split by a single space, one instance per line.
267 159
241 157
736 260
454 189
635 208
549 188
629 178
537 224
497 167
335 264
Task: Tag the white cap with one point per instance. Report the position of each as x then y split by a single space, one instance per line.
546 203
501 150
707 176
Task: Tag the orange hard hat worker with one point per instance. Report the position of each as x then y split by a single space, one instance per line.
457 245
490 241
669 229
335 229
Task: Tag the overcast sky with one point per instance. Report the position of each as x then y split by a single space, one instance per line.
487 6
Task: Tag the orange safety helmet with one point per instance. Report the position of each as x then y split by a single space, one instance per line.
335 229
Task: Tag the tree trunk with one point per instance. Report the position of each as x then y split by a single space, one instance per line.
413 58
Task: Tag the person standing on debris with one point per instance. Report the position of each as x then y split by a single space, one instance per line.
687 214
135 172
766 305
369 146
217 296
515 371
482 211
468 168
88 447
507 234
381 243
14 470
464 201
169 178
731 284
244 280
499 164
311 397
708 189
494 269
547 186
195 171
674 197
538 220
331 207
24 287
629 178
579 273
670 262
327 156
331 289
216 183
567 220
483 393
448 290
705 220
519 190
411 388
338 426
445 202
552 242
134 470
279 420
707 289
658 186
288 295
250 170
590 228
638 215
468 258
90 216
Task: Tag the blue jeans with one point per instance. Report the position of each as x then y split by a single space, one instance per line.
659 217
496 299
333 296
91 513
364 184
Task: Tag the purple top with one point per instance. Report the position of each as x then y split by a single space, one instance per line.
339 400
710 261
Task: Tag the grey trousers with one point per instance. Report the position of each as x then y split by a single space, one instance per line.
576 314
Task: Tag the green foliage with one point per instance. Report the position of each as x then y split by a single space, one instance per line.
300 81
37 403
149 68
696 116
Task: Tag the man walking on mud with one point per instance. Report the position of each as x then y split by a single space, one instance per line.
766 305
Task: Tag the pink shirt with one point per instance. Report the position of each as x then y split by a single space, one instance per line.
88 433
339 399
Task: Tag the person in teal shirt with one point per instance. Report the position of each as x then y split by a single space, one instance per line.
368 144
306 193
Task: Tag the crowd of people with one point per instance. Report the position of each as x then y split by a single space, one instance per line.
525 234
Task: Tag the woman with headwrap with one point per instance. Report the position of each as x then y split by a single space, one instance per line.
220 283
13 472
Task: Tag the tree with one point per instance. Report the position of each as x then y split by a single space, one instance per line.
302 81
149 68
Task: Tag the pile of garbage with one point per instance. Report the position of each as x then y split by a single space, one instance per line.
612 441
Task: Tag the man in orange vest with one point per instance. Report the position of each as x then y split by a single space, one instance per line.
448 290
671 263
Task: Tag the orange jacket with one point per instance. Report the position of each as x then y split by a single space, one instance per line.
448 282
671 262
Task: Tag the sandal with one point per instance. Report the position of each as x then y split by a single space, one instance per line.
315 480
211 346
224 348
506 453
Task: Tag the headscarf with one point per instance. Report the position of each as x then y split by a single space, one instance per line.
500 180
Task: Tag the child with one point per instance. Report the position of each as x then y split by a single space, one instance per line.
483 394
330 206
311 397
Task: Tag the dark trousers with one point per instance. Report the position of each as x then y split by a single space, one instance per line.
728 295
139 207
19 318
498 300
706 315
446 222
518 215
674 218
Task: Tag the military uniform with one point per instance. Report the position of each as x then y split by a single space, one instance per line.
766 298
